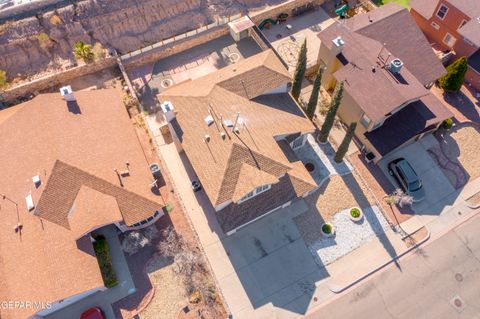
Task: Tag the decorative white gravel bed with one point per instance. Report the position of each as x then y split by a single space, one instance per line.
349 235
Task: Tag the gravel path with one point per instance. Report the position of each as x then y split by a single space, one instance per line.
169 292
348 235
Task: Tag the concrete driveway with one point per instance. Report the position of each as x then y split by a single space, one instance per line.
272 261
440 193
264 270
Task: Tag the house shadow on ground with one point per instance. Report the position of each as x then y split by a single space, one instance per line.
269 257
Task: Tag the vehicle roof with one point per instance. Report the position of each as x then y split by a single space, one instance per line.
408 171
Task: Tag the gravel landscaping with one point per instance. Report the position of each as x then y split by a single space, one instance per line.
325 204
169 294
349 235
321 156
461 145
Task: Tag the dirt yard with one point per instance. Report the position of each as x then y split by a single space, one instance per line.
460 145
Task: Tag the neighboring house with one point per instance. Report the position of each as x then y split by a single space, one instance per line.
386 64
58 184
238 127
454 25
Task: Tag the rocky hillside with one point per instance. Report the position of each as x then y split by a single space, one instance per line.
45 41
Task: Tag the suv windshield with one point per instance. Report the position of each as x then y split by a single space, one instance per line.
413 186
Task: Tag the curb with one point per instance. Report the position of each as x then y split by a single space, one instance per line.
338 289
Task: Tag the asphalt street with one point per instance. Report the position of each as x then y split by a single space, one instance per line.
441 280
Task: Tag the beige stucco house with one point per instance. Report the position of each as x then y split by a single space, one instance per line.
387 66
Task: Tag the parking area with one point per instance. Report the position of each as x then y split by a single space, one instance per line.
438 189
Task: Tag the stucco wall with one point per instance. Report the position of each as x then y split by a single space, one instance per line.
449 24
473 78
56 79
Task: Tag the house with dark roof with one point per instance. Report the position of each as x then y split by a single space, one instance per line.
238 127
453 25
67 167
386 65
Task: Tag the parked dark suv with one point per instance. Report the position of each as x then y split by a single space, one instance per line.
407 178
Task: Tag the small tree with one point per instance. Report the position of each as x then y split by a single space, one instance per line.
300 71
343 148
453 80
313 101
83 51
400 198
332 112
3 78
137 239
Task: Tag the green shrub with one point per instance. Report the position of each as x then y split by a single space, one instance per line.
168 207
453 80
3 78
100 245
83 51
327 228
448 123
355 212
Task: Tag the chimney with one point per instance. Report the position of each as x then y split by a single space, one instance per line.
67 93
337 46
168 110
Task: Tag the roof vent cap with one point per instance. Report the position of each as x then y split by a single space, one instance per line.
228 123
29 201
395 66
206 138
338 41
36 180
67 93
209 120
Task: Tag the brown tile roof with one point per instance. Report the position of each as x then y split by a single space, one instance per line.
249 178
426 8
93 137
219 163
394 26
413 119
377 92
64 185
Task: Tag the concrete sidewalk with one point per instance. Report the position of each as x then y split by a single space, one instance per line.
366 260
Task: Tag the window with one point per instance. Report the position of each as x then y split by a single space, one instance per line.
464 22
449 40
255 192
297 142
442 11
435 25
365 120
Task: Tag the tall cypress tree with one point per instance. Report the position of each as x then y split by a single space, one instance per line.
300 70
332 111
313 101
343 148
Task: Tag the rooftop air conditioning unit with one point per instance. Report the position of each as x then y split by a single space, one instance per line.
395 66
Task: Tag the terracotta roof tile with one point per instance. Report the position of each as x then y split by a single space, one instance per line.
225 163
48 261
